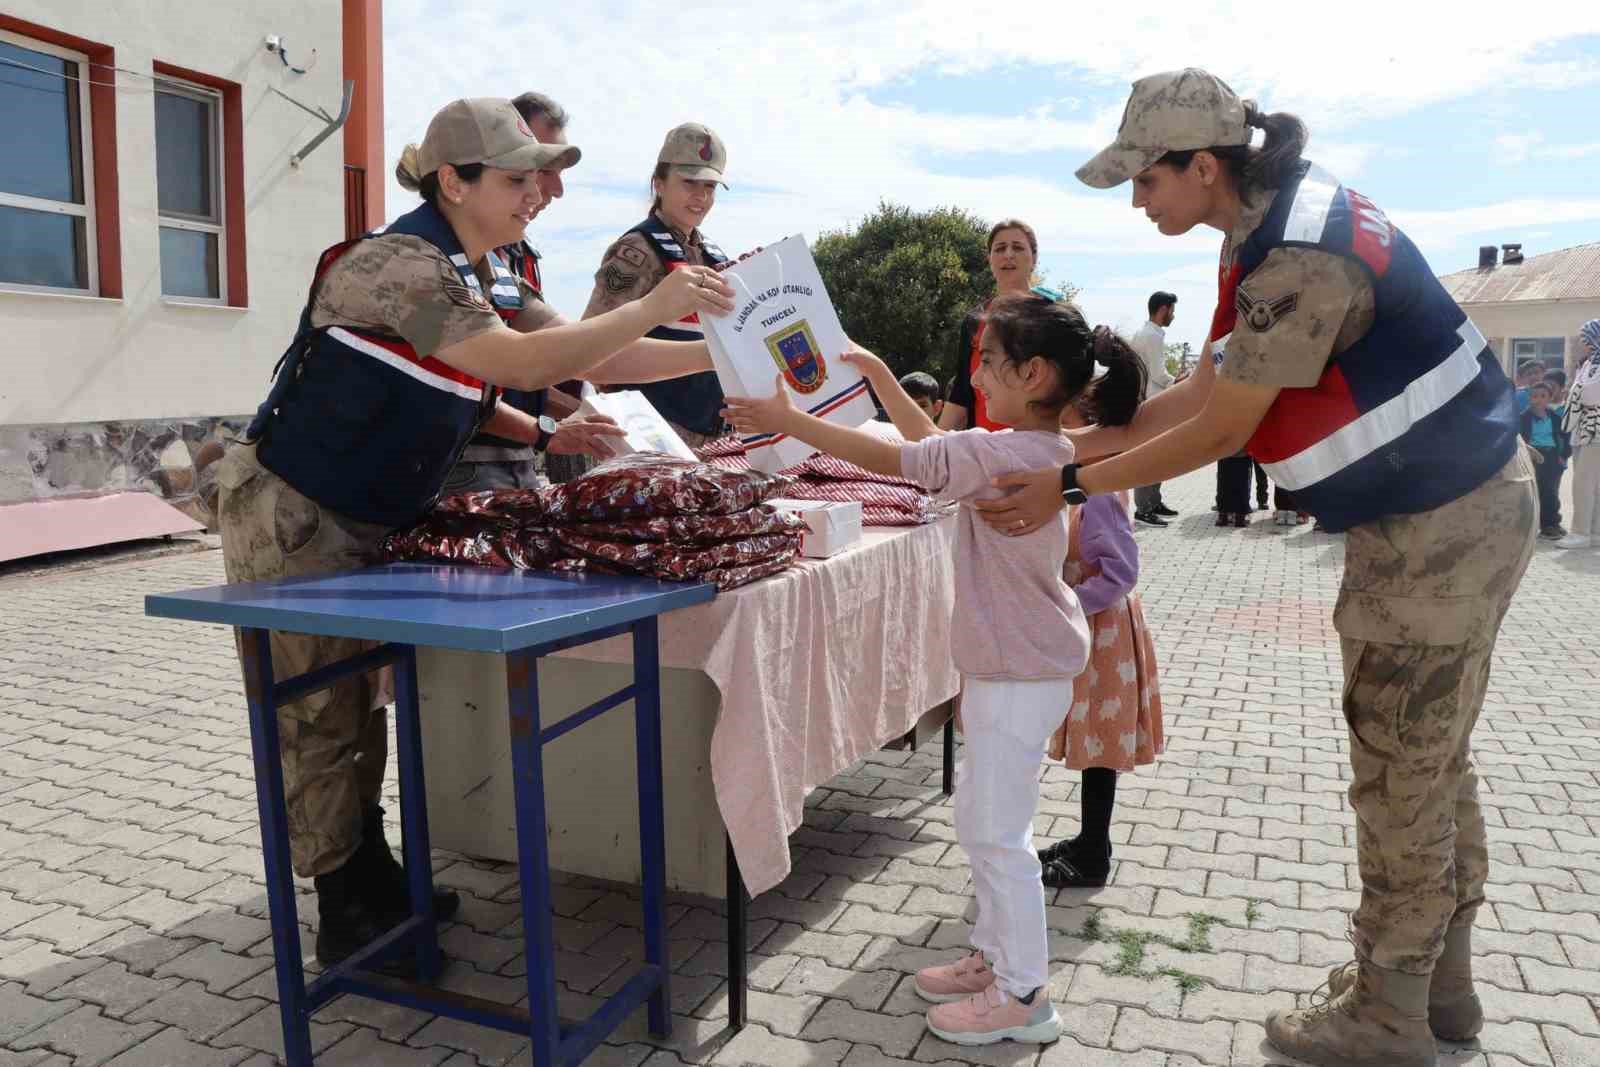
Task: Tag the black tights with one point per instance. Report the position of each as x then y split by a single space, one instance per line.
1096 799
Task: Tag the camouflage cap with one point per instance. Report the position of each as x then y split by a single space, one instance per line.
1174 111
487 130
695 152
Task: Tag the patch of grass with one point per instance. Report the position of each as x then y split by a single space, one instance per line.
1199 939
1130 953
1252 911
1187 982
1133 946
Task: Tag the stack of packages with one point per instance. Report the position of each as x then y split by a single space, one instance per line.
885 500
645 514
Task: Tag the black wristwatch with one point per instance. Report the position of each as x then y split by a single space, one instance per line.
1069 485
547 430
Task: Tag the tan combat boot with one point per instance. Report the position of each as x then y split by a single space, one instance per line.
1454 1011
1380 1020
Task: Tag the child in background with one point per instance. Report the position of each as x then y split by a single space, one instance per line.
923 388
1114 723
1540 426
1018 638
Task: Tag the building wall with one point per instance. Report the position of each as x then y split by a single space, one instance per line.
1555 318
95 377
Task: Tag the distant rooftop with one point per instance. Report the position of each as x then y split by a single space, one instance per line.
1569 274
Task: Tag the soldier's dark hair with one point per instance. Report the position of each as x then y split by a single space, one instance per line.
1160 299
429 186
1027 325
920 385
1254 168
658 175
535 106
1013 224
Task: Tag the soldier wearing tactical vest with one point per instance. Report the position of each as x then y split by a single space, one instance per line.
684 186
1341 364
491 461
407 337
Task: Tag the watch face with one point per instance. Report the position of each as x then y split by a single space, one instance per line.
548 425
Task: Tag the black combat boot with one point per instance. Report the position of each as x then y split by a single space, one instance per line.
385 878
346 921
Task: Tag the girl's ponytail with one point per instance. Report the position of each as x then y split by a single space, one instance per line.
1113 397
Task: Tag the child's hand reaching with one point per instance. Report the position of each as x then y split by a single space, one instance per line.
871 367
761 414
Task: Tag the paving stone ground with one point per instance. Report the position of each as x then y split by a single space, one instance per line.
133 928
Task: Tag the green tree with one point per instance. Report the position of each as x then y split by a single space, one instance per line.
902 281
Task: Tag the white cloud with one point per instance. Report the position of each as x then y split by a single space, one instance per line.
814 144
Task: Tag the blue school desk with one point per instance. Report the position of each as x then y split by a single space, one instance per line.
521 616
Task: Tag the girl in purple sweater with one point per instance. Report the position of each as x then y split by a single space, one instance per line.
1019 637
1114 723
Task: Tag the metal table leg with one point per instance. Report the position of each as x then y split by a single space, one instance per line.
738 942
293 1006
414 814
652 817
950 754
533 855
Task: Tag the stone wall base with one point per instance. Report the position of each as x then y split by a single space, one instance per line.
172 458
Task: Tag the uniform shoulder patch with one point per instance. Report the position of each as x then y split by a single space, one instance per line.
466 296
633 257
618 280
1263 315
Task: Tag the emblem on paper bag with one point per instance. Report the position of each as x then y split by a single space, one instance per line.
795 351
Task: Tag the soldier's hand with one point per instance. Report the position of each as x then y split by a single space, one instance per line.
689 291
585 436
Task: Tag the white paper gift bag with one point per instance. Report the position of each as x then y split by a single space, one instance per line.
646 430
783 321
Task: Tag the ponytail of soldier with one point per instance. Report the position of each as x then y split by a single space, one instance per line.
1256 168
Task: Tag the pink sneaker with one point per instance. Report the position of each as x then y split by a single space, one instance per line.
994 1015
955 981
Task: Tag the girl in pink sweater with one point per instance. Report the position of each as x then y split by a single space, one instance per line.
1019 637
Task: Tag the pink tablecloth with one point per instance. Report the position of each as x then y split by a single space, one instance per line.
817 667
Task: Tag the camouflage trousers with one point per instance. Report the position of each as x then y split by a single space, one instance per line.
334 742
1420 608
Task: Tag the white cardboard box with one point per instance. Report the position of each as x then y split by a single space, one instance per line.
784 323
647 430
831 526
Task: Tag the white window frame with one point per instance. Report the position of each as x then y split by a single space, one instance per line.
85 210
1538 346
165 83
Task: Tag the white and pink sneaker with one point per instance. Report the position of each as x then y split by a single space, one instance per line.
994 1015
945 982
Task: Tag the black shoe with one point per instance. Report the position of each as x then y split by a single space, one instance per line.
387 888
1065 865
1150 518
347 922
1241 519
1164 511
1224 518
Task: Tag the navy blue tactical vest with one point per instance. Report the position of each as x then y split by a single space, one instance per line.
693 401
357 420
1413 415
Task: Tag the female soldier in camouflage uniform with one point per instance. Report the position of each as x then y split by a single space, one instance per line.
1342 365
405 336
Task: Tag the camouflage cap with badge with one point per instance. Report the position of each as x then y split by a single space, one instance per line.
695 152
484 129
1174 111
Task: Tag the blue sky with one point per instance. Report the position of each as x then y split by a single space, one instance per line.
1468 123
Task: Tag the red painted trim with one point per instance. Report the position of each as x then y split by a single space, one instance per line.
363 132
232 174
102 144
